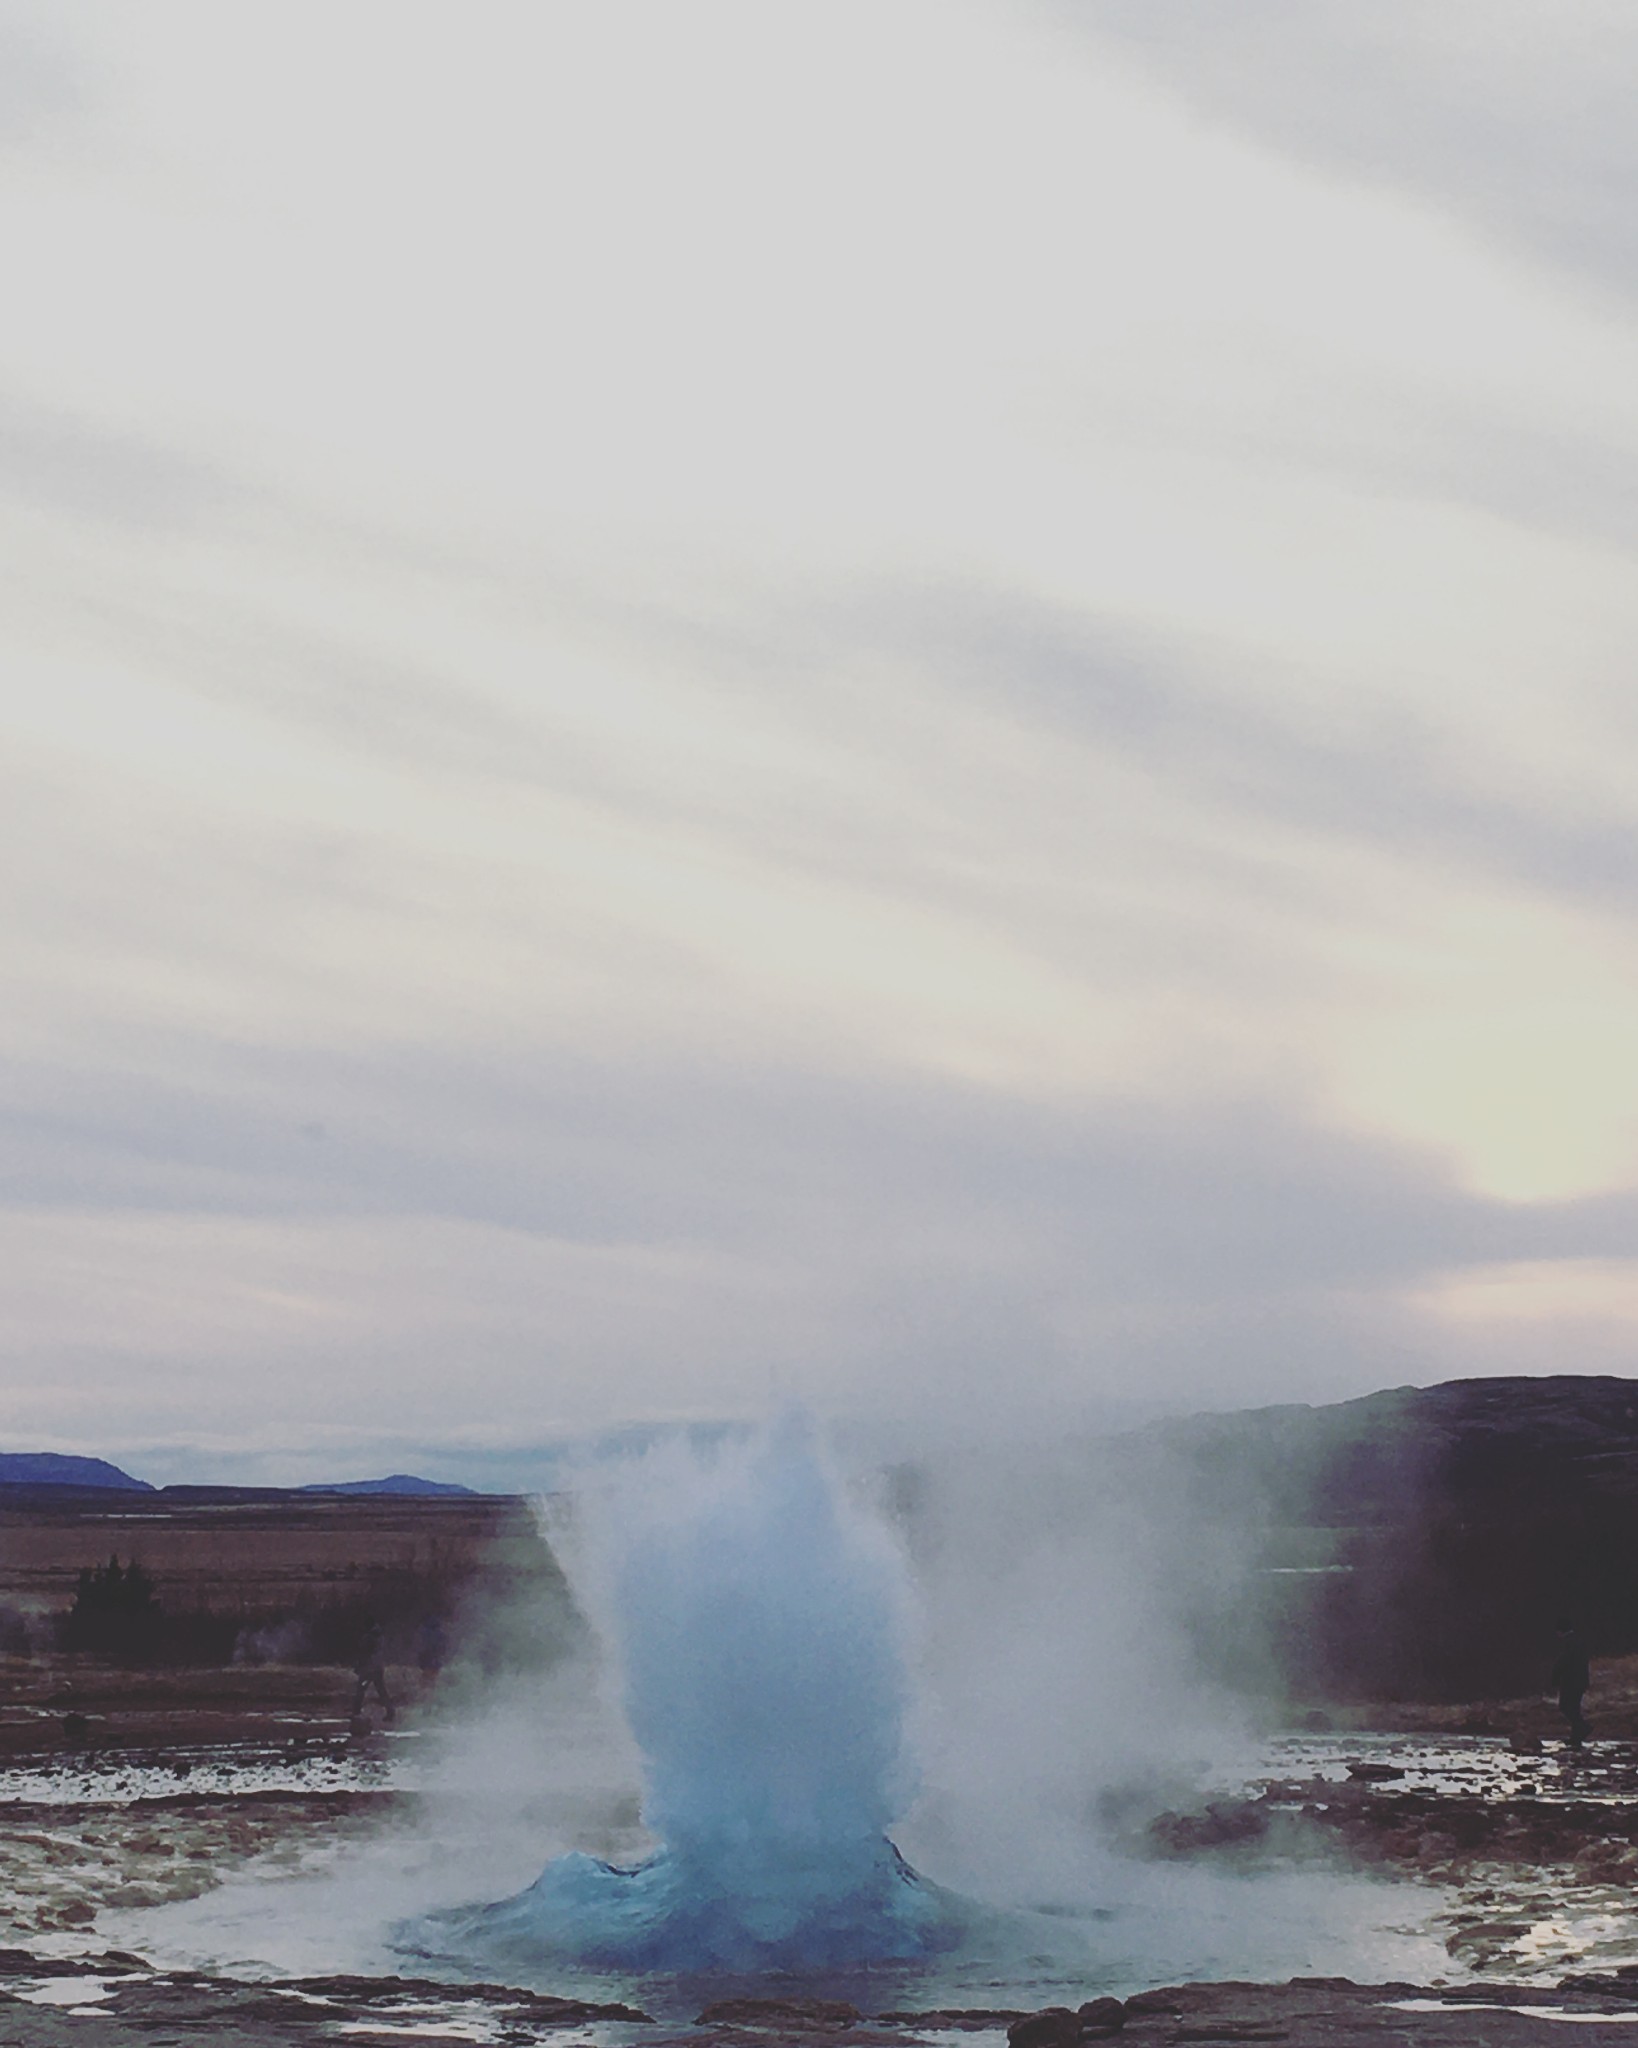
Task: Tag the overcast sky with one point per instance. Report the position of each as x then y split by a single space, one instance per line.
926 706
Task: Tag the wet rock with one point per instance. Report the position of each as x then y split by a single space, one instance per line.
245 2009
1054 2026
1309 2013
954 2018
1232 2030
1150 2004
1100 2017
805 2013
864 2034
539 2006
1224 1824
1618 1984
1374 1773
133 1895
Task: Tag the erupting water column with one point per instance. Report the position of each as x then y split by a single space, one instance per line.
758 1623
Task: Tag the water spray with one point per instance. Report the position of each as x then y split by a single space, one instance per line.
758 1624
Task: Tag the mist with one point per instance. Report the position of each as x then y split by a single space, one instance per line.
801 1712
1061 1688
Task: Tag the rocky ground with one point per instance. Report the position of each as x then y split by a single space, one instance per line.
1534 1843
128 1789
115 2001
123 1792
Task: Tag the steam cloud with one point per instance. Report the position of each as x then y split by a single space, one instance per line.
758 1623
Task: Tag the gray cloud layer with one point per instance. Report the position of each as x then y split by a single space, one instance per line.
1135 1206
1392 782
42 88
53 462
235 992
1517 121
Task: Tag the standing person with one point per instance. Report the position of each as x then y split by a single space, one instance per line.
370 1669
432 1648
1570 1677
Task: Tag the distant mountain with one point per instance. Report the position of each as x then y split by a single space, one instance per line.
397 1482
1418 1543
1474 1447
48 1468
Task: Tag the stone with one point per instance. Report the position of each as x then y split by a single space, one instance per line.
1054 2026
806 2013
954 2018
1224 1824
1100 2017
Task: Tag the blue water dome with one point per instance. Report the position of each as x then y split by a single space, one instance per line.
759 1625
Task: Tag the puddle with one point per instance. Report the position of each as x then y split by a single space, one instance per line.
1530 2012
1457 1767
64 1991
227 1772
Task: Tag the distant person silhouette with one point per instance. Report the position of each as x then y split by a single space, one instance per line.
1570 1677
432 1647
370 1669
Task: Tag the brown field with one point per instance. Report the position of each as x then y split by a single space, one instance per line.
259 1555
263 1599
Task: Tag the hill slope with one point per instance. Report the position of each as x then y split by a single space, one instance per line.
1457 1523
396 1482
48 1468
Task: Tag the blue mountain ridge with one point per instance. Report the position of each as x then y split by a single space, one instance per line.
51 1468
396 1482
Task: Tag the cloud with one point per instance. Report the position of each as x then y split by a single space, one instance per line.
884 792
42 88
1514 118
1384 779
56 462
566 857
513 1250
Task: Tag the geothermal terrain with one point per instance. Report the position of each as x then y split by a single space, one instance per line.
202 1841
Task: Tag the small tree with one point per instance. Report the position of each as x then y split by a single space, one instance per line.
116 1611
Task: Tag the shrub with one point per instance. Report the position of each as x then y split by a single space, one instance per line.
116 1612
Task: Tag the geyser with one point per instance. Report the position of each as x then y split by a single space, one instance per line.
758 1623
